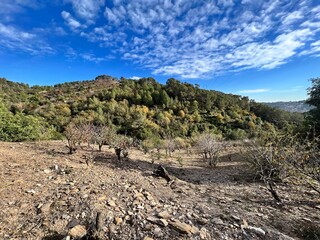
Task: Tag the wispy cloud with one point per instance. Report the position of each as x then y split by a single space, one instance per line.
188 39
313 49
166 37
87 9
70 20
18 40
260 90
90 57
10 8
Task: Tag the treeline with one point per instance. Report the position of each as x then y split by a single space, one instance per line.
141 109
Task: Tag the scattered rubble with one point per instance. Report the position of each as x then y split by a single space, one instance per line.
65 198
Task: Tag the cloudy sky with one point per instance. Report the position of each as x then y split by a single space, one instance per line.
264 49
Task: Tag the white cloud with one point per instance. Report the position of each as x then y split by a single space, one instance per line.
18 40
193 39
314 49
91 58
87 9
9 9
14 34
226 3
292 17
135 78
260 90
70 21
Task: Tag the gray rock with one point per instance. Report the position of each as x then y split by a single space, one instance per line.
183 227
204 234
111 203
202 221
217 221
157 232
164 214
77 232
274 234
155 220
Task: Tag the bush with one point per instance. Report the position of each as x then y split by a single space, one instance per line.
305 161
152 143
20 127
236 134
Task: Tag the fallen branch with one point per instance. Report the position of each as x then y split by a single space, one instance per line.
162 172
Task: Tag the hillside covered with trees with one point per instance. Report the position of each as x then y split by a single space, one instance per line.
138 108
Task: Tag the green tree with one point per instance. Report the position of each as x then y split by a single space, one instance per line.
314 99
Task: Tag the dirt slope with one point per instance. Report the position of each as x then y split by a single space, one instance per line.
47 194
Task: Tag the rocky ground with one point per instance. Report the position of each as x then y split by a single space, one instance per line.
46 193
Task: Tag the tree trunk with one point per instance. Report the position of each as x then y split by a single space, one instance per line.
118 153
273 192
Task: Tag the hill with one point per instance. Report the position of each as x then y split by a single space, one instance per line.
140 108
294 106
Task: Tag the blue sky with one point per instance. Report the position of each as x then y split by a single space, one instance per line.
264 49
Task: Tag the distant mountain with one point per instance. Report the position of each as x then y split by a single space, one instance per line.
295 106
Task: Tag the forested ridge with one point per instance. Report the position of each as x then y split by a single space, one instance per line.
139 108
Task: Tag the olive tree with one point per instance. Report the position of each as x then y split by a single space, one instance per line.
103 135
122 144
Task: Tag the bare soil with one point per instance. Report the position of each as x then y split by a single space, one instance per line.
45 192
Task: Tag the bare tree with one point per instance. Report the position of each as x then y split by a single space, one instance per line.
281 157
73 136
103 135
87 132
209 147
170 146
268 164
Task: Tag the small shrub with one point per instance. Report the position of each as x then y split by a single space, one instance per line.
170 146
237 134
180 160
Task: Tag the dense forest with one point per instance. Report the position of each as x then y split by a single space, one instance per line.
138 108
